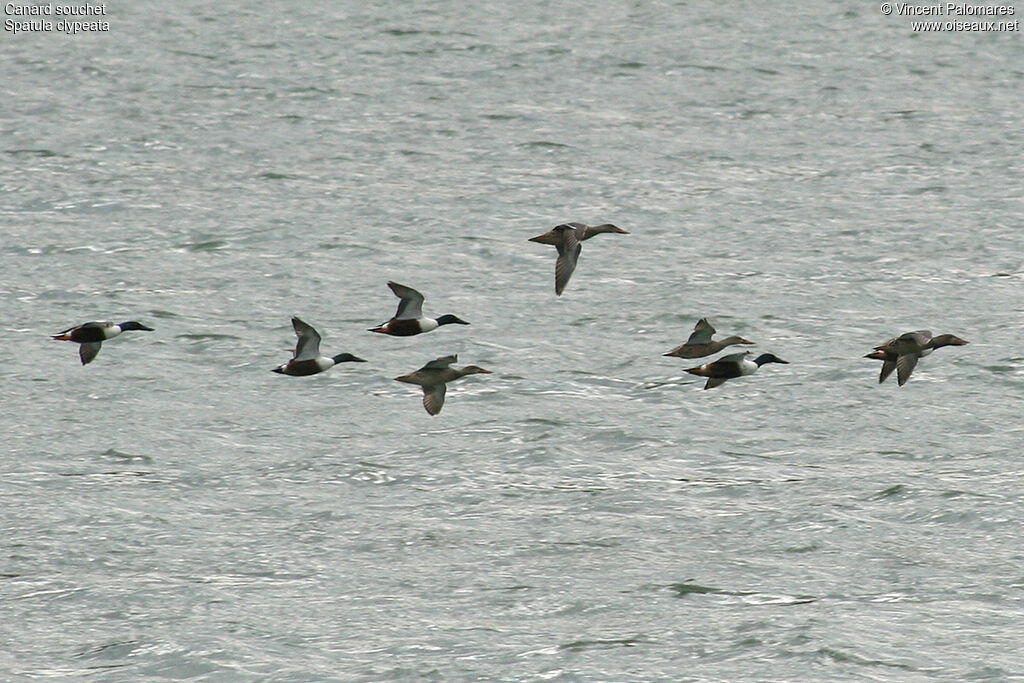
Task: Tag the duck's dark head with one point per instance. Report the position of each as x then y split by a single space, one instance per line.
608 227
728 341
948 340
132 325
769 358
450 319
347 358
877 355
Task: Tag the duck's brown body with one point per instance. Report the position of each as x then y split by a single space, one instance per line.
902 353
434 376
567 238
700 343
402 328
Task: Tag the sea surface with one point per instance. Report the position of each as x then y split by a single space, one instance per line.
816 178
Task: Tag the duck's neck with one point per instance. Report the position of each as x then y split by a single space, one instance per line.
598 229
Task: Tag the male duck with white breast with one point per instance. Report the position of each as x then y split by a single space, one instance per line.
91 336
409 319
733 366
307 359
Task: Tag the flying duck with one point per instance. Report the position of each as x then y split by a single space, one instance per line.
699 344
409 318
731 366
91 336
567 239
902 353
307 359
434 376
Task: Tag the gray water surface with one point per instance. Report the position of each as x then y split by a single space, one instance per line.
815 179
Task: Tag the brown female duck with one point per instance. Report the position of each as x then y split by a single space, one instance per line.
699 344
434 376
902 353
567 238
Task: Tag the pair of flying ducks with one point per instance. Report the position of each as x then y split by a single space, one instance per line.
700 344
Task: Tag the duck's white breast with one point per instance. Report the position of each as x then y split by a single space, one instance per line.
748 367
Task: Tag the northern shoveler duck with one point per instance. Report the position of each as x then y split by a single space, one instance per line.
434 376
567 239
732 366
699 344
409 318
902 353
307 359
91 336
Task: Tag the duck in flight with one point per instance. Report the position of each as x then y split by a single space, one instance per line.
307 359
902 353
91 336
567 239
732 366
699 344
434 376
409 318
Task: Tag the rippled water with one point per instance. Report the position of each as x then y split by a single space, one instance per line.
816 180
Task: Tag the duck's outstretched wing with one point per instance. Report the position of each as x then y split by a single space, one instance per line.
568 254
702 332
887 367
433 397
88 351
905 365
440 363
411 305
308 346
